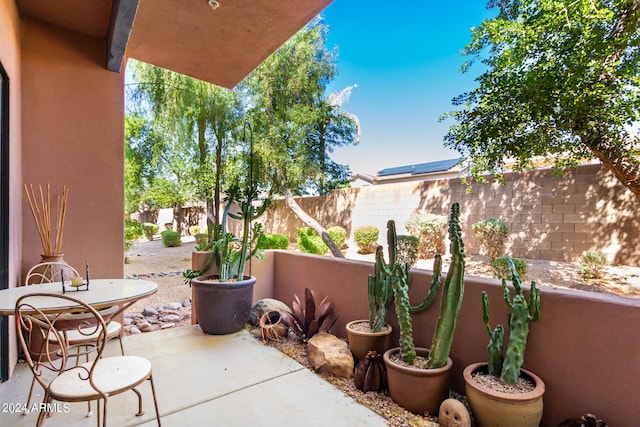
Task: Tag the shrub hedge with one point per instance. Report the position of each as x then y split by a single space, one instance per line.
366 237
170 238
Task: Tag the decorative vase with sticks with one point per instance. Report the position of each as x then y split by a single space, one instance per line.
51 239
49 220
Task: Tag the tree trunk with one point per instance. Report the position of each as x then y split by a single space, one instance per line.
624 169
322 232
177 215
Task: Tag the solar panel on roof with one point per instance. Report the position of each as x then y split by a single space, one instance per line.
437 166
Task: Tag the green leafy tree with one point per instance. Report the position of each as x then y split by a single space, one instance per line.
201 120
561 79
296 124
138 171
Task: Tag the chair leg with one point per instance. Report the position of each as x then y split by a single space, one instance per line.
27 410
120 339
104 412
155 401
140 410
41 414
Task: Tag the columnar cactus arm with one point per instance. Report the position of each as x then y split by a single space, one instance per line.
379 294
400 292
436 280
494 349
495 360
534 302
519 329
519 320
452 294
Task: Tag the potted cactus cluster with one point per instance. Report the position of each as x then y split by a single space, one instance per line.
372 335
416 386
501 393
223 299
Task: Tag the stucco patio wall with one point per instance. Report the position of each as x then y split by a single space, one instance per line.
549 217
585 346
72 135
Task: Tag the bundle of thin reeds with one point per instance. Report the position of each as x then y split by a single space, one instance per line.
51 242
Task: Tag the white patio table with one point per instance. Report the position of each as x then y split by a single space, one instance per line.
102 293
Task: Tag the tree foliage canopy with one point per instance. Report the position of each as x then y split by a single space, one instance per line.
193 124
561 79
297 125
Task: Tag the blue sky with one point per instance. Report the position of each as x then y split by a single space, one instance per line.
405 59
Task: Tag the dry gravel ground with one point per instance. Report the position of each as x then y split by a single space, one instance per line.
151 257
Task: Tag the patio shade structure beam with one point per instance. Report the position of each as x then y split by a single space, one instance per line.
123 14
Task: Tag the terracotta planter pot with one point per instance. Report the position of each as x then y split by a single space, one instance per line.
498 409
360 343
417 390
222 307
199 260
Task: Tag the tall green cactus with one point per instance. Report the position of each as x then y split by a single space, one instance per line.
393 279
522 312
396 277
380 294
452 293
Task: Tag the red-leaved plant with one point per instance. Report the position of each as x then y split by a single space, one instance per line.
306 321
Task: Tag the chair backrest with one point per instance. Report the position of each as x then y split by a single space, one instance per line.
47 272
32 323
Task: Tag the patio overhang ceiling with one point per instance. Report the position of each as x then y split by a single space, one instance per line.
219 45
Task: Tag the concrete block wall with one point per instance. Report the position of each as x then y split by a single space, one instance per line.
549 217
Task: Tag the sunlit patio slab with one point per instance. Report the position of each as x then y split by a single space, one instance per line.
209 380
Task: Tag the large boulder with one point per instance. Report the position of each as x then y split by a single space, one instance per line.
264 306
329 354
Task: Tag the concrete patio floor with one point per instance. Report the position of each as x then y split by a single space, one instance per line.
204 380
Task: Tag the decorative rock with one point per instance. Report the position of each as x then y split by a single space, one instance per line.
148 311
148 328
143 325
329 354
186 303
170 318
134 330
453 413
174 305
263 306
167 325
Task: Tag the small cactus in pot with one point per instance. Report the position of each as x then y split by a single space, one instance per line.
522 312
520 401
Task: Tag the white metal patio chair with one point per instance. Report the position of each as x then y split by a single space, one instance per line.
98 379
82 341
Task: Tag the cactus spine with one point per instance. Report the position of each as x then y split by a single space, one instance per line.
522 312
452 293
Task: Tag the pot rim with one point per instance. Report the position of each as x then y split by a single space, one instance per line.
384 332
205 280
536 393
420 351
